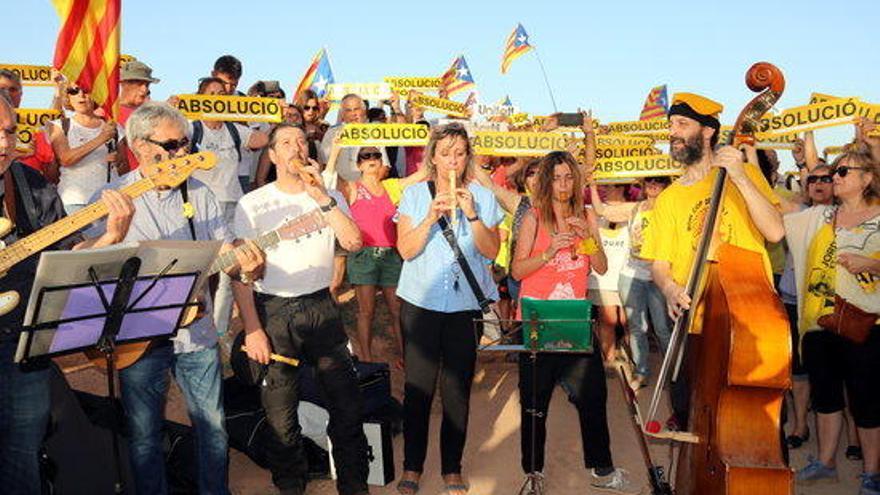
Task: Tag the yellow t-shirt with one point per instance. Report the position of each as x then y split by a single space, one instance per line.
678 217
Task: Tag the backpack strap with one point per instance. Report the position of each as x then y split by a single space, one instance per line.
196 140
184 194
236 137
449 235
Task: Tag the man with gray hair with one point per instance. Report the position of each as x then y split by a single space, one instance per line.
157 132
352 110
31 204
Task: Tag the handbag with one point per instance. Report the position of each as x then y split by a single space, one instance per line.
849 321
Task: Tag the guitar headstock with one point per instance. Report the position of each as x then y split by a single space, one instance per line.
171 173
302 226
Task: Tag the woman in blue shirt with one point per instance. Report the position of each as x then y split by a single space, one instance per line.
438 306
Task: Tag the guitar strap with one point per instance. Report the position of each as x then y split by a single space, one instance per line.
184 194
16 181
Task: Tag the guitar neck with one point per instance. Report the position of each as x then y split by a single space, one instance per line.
52 233
228 259
290 230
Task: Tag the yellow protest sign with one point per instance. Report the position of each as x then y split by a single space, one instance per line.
833 150
520 118
31 75
629 168
784 142
623 140
440 105
821 98
28 122
641 127
519 143
404 84
384 135
367 91
35 117
616 152
810 117
230 108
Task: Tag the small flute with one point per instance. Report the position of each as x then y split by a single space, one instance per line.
454 200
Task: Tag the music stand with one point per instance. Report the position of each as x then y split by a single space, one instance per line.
118 306
555 318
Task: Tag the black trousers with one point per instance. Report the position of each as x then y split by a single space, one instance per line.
310 329
445 344
583 379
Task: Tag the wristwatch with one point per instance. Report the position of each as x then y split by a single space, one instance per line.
329 206
473 218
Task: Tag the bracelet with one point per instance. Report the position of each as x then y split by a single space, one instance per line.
473 218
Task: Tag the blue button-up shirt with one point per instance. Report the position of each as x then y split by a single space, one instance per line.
432 279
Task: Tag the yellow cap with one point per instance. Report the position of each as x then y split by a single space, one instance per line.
699 104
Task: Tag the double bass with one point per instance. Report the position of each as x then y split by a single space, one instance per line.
739 365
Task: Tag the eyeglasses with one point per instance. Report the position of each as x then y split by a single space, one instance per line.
74 91
311 107
171 145
375 155
844 169
824 179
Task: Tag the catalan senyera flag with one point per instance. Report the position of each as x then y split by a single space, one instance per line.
318 75
87 50
656 105
517 45
457 77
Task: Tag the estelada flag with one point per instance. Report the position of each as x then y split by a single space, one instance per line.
517 45
87 50
656 105
457 77
318 75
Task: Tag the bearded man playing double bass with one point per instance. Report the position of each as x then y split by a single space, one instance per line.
749 214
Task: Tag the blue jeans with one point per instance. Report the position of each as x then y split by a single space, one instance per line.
24 415
144 386
641 297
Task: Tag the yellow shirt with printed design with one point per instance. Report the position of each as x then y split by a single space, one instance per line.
679 213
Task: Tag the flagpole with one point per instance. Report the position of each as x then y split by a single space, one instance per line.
546 81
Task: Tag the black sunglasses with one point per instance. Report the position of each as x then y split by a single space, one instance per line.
74 91
825 179
373 155
844 169
171 145
310 107
658 180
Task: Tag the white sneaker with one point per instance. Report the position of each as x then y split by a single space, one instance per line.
616 482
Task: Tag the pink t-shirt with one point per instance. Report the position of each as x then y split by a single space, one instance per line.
559 278
374 216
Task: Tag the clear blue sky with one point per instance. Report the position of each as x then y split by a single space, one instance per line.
600 55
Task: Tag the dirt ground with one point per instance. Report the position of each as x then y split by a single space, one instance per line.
492 455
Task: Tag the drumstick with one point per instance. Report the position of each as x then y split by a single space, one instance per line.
278 357
454 199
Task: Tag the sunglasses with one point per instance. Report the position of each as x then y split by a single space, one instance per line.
74 91
824 179
375 155
171 145
311 107
658 180
843 170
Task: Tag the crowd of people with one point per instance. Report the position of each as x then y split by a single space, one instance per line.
437 231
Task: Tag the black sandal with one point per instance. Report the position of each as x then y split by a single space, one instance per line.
407 487
854 453
796 441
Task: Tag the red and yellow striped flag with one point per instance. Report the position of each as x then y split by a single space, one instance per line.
87 50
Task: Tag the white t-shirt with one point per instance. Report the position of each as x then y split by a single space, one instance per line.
79 182
223 178
615 243
294 267
251 158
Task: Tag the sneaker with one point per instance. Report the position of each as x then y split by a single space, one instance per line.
816 472
616 482
534 485
870 484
